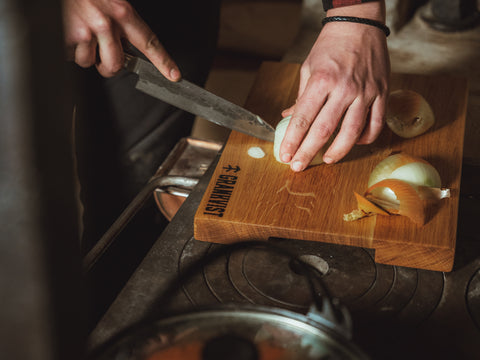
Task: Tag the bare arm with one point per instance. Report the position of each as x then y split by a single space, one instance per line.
102 24
344 76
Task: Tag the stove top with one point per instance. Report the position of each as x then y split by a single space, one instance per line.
397 312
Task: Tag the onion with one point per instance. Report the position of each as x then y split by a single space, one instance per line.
401 184
408 168
256 152
280 134
408 113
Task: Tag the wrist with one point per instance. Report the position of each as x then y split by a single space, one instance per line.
374 10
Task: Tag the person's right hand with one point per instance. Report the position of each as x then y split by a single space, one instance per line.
102 24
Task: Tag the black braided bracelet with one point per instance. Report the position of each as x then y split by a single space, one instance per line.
377 24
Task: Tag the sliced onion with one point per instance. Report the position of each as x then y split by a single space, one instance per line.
408 113
280 134
405 167
256 152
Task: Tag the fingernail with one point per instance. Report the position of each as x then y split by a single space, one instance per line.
174 74
297 166
286 157
328 160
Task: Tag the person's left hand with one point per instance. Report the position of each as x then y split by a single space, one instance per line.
345 76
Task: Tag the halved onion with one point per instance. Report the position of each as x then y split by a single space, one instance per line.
280 134
408 113
401 184
405 167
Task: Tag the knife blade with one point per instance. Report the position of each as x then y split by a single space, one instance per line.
196 100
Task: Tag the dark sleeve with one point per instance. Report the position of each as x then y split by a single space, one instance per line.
329 4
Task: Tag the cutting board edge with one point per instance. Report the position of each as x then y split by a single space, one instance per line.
434 258
229 232
425 256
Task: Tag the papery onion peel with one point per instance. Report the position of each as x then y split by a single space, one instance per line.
364 208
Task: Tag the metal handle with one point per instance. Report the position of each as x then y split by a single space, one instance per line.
107 239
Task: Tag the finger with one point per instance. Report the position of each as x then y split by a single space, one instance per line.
139 34
304 78
377 120
351 129
289 111
319 133
306 110
85 54
75 32
110 52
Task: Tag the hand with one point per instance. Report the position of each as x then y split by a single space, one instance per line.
344 76
104 23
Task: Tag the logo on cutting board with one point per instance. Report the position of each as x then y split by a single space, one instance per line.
222 191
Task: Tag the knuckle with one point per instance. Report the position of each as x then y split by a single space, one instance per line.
323 131
102 24
152 43
83 35
353 129
288 146
350 89
301 122
382 86
122 11
322 77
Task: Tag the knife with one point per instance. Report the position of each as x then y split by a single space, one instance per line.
196 100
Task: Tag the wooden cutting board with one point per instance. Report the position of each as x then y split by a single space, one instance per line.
251 198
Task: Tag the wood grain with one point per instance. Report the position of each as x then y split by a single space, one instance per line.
260 198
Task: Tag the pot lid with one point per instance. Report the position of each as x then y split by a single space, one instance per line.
234 332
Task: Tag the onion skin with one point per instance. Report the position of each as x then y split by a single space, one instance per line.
368 207
412 204
364 208
408 113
